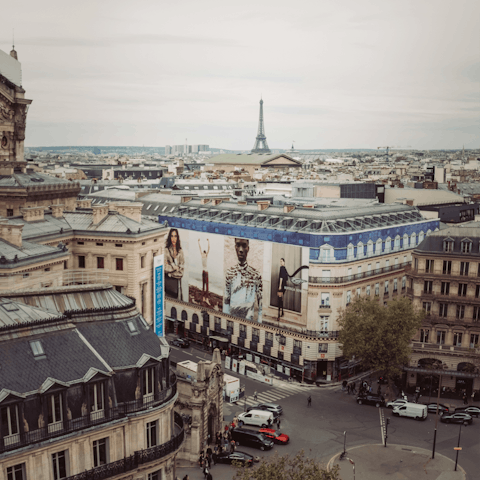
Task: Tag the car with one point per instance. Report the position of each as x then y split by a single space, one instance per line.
371 399
180 342
472 410
277 437
241 457
432 408
275 408
456 418
396 403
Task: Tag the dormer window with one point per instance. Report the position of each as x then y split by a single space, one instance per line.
10 425
132 327
448 245
37 348
466 245
55 412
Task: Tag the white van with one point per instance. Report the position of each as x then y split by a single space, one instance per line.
256 417
413 410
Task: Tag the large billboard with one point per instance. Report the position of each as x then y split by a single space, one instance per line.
246 278
158 301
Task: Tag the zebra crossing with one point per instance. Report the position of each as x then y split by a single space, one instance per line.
279 391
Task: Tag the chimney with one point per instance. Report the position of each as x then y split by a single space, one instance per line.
11 233
185 199
85 203
99 213
263 205
33 214
242 202
217 201
204 201
57 210
132 210
288 208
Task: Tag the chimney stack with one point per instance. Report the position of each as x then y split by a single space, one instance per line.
132 210
288 208
99 213
33 214
85 203
57 210
263 205
11 233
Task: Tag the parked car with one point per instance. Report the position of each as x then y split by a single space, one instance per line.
180 342
473 411
277 437
396 403
275 408
456 418
260 418
371 399
432 408
242 457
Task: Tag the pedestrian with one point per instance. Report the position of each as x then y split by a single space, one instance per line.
278 423
353 388
269 422
255 395
201 459
206 471
209 476
309 401
232 446
465 400
186 477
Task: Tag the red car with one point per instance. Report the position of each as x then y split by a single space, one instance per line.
277 437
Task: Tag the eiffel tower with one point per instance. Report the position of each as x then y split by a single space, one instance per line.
261 145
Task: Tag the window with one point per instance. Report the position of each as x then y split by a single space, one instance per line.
395 284
9 212
155 475
445 288
370 248
80 243
367 290
387 263
404 281
396 243
386 286
427 306
466 246
119 264
476 314
59 462
81 261
97 400
10 427
255 335
152 434
377 267
448 246
457 339
359 290
132 327
325 299
441 337
100 262
242 331
322 347
100 452
142 261
229 327
349 274
148 384
325 276
415 264
447 267
119 245
326 254
443 310
17 472
378 246
462 289
474 340
427 286
297 347
99 244
424 335
464 268
37 348
377 289
350 251
429 266
323 324
349 296
460 312
55 412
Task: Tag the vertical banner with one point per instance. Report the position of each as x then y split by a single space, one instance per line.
158 296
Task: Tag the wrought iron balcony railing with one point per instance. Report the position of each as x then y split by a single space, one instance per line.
140 457
96 418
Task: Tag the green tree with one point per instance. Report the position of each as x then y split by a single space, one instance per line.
287 468
379 335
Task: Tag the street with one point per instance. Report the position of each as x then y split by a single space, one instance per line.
319 429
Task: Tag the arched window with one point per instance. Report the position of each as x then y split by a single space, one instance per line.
195 318
173 313
326 253
370 247
413 240
397 243
421 236
378 246
360 250
388 244
350 253
406 241
184 316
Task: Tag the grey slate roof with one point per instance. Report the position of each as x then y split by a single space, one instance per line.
12 256
32 179
251 159
15 313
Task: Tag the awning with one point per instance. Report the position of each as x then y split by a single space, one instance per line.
453 373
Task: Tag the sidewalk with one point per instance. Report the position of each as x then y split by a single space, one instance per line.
375 462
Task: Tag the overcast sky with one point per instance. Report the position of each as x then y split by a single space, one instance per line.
333 74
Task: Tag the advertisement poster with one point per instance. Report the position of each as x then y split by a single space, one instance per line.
286 278
205 270
243 266
234 365
176 248
227 362
241 369
158 303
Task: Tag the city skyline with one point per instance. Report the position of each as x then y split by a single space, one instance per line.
331 76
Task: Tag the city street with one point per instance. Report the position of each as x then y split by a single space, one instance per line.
319 429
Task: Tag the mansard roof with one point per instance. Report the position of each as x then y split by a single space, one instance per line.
469 232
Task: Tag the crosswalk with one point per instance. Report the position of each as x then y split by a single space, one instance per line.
279 391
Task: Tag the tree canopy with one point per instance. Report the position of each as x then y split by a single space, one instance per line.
379 335
287 468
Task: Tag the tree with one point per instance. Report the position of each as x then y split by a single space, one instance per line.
379 335
287 468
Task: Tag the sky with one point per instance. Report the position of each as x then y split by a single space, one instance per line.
332 74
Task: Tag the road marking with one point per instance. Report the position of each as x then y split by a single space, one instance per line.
382 425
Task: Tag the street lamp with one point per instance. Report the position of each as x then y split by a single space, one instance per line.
344 442
458 445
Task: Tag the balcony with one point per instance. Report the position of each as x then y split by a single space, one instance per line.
435 348
357 276
87 421
140 457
